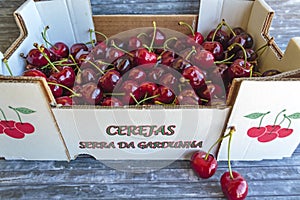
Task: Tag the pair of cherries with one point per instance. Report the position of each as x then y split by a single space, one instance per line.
233 185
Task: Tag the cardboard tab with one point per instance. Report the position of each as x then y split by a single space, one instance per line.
28 129
267 122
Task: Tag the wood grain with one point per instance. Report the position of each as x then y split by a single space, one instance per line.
86 178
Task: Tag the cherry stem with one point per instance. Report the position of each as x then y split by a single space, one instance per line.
141 34
212 146
153 38
165 46
191 52
243 49
148 98
3 114
217 29
14 109
5 61
74 61
225 60
41 49
133 97
114 94
45 38
124 51
94 65
99 33
290 121
189 26
278 116
232 130
229 28
74 94
261 119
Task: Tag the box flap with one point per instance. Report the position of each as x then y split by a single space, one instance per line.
267 122
32 17
120 133
28 129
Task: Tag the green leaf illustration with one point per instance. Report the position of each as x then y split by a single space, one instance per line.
24 110
294 116
255 115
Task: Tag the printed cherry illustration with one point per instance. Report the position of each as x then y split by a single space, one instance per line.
234 186
14 132
285 132
24 127
257 131
5 123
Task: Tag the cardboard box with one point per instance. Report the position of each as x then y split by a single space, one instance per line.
166 133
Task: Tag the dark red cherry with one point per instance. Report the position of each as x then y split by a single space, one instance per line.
134 43
111 101
188 97
270 72
75 48
195 77
64 101
167 58
66 76
109 80
203 58
113 54
86 75
220 36
137 74
128 87
91 94
56 90
164 95
238 69
60 50
159 38
215 48
180 64
237 31
34 73
36 58
170 80
146 90
236 187
123 64
143 56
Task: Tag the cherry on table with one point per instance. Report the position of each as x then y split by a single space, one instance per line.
235 187
204 165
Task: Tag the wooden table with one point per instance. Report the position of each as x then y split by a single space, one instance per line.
86 178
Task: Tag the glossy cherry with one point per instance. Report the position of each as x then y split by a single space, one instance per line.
204 165
164 95
111 101
66 76
34 73
60 50
137 74
109 80
75 48
235 187
64 101
195 77
188 97
36 58
215 48
91 94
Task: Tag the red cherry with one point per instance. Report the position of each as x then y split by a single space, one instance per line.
198 37
215 48
14 132
220 36
137 74
75 48
202 166
66 76
25 127
64 101
147 89
109 80
56 90
91 94
111 101
195 77
267 137
284 132
203 58
143 56
235 188
188 97
238 69
159 38
256 131
9 123
36 58
134 43
34 73
167 58
60 50
128 87
164 95
1 129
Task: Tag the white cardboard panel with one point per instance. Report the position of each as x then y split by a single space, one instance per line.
263 97
223 9
45 143
90 125
75 16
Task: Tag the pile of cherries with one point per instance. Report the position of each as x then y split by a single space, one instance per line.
154 66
